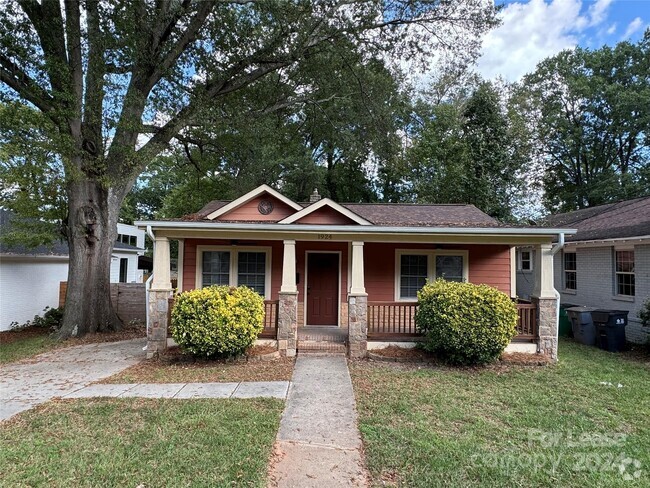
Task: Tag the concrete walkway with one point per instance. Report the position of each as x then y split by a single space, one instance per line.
318 444
244 389
25 384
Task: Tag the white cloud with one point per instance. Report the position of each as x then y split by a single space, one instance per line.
633 27
533 31
611 29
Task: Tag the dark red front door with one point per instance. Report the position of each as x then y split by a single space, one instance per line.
322 289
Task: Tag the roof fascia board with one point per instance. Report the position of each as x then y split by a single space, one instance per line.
248 197
608 242
320 204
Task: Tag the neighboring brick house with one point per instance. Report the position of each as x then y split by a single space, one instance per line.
346 271
606 264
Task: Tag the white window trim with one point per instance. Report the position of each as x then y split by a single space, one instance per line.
571 291
431 265
520 261
618 296
234 251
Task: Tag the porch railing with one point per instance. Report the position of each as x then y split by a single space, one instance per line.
527 322
392 320
270 330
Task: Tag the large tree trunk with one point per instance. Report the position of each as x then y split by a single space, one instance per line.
92 231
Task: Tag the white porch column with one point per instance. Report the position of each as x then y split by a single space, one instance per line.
159 294
357 306
357 281
547 301
544 272
289 268
288 303
161 264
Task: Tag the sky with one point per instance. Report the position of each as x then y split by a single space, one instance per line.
532 30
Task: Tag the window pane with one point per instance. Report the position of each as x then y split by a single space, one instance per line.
449 267
251 270
625 284
625 261
413 275
216 268
570 280
570 261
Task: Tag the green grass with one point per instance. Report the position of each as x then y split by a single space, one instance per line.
483 427
26 347
140 442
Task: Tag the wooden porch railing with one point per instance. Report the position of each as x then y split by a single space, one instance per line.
270 330
527 323
392 320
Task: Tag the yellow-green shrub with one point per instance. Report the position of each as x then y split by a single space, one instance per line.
465 323
217 320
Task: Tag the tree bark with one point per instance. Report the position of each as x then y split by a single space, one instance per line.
92 231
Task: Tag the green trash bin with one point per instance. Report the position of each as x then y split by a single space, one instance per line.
565 323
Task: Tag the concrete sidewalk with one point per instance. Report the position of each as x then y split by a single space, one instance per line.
318 444
244 389
25 384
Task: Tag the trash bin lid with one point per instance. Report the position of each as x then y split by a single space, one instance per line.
581 309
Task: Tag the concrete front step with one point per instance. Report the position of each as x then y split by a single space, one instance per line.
321 346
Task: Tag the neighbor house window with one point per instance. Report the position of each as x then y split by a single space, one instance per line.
570 271
625 273
216 268
234 267
415 268
124 270
127 239
251 270
525 260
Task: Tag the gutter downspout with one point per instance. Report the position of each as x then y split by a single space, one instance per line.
556 248
147 285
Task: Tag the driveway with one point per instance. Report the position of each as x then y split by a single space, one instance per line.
27 383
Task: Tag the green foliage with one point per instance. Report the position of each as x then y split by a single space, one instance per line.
467 152
591 112
217 320
644 313
51 319
465 323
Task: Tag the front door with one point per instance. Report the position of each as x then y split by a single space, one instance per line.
322 288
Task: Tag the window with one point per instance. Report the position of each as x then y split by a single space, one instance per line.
570 271
525 260
414 268
251 270
127 239
124 269
216 268
625 273
413 275
234 266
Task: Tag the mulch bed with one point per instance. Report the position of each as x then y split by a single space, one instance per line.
11 336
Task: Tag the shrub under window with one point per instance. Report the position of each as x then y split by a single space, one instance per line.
217 321
465 323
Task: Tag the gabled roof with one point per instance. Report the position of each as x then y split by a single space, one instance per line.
57 248
325 202
221 210
629 218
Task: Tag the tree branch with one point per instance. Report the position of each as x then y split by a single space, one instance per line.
25 85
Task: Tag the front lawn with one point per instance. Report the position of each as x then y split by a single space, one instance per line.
20 344
140 442
508 425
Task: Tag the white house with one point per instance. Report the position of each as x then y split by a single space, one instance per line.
29 278
605 265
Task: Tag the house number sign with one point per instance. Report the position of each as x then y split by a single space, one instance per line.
324 237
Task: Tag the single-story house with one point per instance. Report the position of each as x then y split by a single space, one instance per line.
606 264
351 270
30 278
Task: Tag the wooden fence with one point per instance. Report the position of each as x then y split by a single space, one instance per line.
128 299
527 322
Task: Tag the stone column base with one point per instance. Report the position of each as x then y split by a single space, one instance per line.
287 323
157 326
357 326
547 326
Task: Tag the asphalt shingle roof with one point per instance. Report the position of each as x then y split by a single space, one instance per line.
630 218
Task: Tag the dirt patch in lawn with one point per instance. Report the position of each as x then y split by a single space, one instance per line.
175 367
11 336
130 331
